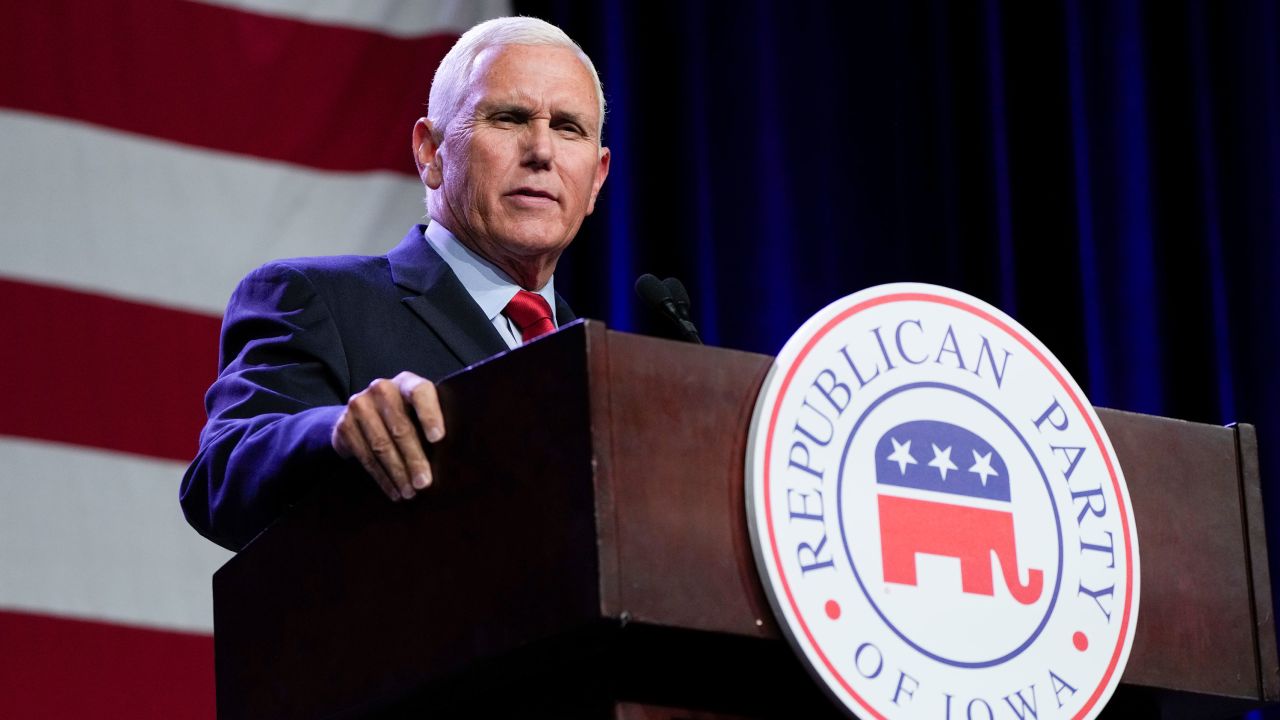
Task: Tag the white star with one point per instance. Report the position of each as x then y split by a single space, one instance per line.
982 466
942 461
902 455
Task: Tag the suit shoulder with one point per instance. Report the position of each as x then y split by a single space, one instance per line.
322 272
326 266
294 282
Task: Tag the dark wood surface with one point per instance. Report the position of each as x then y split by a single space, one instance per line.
1259 564
678 442
600 556
1196 608
351 602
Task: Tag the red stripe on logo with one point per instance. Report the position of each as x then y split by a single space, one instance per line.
56 668
92 370
321 96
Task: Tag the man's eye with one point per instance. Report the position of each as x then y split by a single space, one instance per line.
570 128
506 118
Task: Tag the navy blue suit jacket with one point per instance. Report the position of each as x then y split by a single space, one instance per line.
299 338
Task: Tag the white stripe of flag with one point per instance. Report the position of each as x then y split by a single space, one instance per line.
99 535
114 213
399 18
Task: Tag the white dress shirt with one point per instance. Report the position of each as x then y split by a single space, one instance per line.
489 286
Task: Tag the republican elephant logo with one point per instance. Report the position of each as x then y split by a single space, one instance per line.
964 511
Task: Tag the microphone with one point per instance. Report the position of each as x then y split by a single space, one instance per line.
679 297
671 300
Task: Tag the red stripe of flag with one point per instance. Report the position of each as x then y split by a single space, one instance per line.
57 668
92 370
321 96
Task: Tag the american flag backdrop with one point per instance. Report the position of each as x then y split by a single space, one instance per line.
151 153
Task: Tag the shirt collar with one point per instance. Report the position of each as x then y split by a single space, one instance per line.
488 285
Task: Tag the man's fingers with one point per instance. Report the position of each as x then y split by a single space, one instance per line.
379 441
420 394
349 442
371 466
378 430
395 415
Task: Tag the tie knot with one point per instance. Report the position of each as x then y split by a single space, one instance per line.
531 313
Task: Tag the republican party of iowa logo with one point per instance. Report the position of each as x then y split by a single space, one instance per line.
938 516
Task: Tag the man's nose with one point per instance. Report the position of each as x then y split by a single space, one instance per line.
538 148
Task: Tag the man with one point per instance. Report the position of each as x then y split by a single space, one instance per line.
330 361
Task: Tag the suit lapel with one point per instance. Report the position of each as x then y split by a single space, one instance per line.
564 315
441 301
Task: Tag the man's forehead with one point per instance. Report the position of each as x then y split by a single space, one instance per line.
531 75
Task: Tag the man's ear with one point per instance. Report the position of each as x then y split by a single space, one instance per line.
602 172
424 154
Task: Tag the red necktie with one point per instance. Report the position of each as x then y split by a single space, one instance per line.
531 314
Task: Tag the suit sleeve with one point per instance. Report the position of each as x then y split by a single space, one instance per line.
282 385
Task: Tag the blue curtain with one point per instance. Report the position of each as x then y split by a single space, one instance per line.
1107 172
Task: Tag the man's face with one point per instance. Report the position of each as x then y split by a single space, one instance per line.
521 163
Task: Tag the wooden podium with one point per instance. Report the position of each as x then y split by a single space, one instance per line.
584 553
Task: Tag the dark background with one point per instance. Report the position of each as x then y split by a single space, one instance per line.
1106 172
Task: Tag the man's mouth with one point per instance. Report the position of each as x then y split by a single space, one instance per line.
532 194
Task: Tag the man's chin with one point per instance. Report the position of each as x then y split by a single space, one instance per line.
529 241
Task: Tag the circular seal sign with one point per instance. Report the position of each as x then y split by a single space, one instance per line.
938 516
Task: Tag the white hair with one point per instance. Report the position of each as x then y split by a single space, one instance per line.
453 77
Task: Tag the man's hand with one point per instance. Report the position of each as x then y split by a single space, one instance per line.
378 430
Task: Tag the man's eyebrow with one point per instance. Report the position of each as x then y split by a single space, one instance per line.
569 116
497 106
520 107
